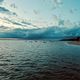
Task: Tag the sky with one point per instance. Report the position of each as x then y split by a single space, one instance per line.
39 14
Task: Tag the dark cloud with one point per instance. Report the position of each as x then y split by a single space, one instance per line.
22 23
75 31
13 5
4 10
45 33
29 33
3 27
54 32
28 23
13 22
1 1
61 22
36 12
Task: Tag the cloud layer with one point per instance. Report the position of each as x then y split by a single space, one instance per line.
45 33
12 26
1 1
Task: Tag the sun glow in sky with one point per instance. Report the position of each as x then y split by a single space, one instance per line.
36 14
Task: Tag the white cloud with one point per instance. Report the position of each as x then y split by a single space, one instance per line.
56 3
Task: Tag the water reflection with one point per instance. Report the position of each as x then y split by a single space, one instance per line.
38 60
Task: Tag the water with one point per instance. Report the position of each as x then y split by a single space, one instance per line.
39 60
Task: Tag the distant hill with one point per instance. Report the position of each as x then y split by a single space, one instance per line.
71 39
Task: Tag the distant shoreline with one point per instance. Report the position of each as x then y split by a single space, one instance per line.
27 39
70 42
74 42
9 39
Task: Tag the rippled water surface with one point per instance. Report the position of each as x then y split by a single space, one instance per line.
39 60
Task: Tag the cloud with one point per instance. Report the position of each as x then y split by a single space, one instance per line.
2 9
1 1
11 27
14 22
28 33
6 11
75 31
44 33
20 23
56 3
28 23
13 5
3 27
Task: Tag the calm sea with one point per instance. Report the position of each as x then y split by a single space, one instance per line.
39 60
